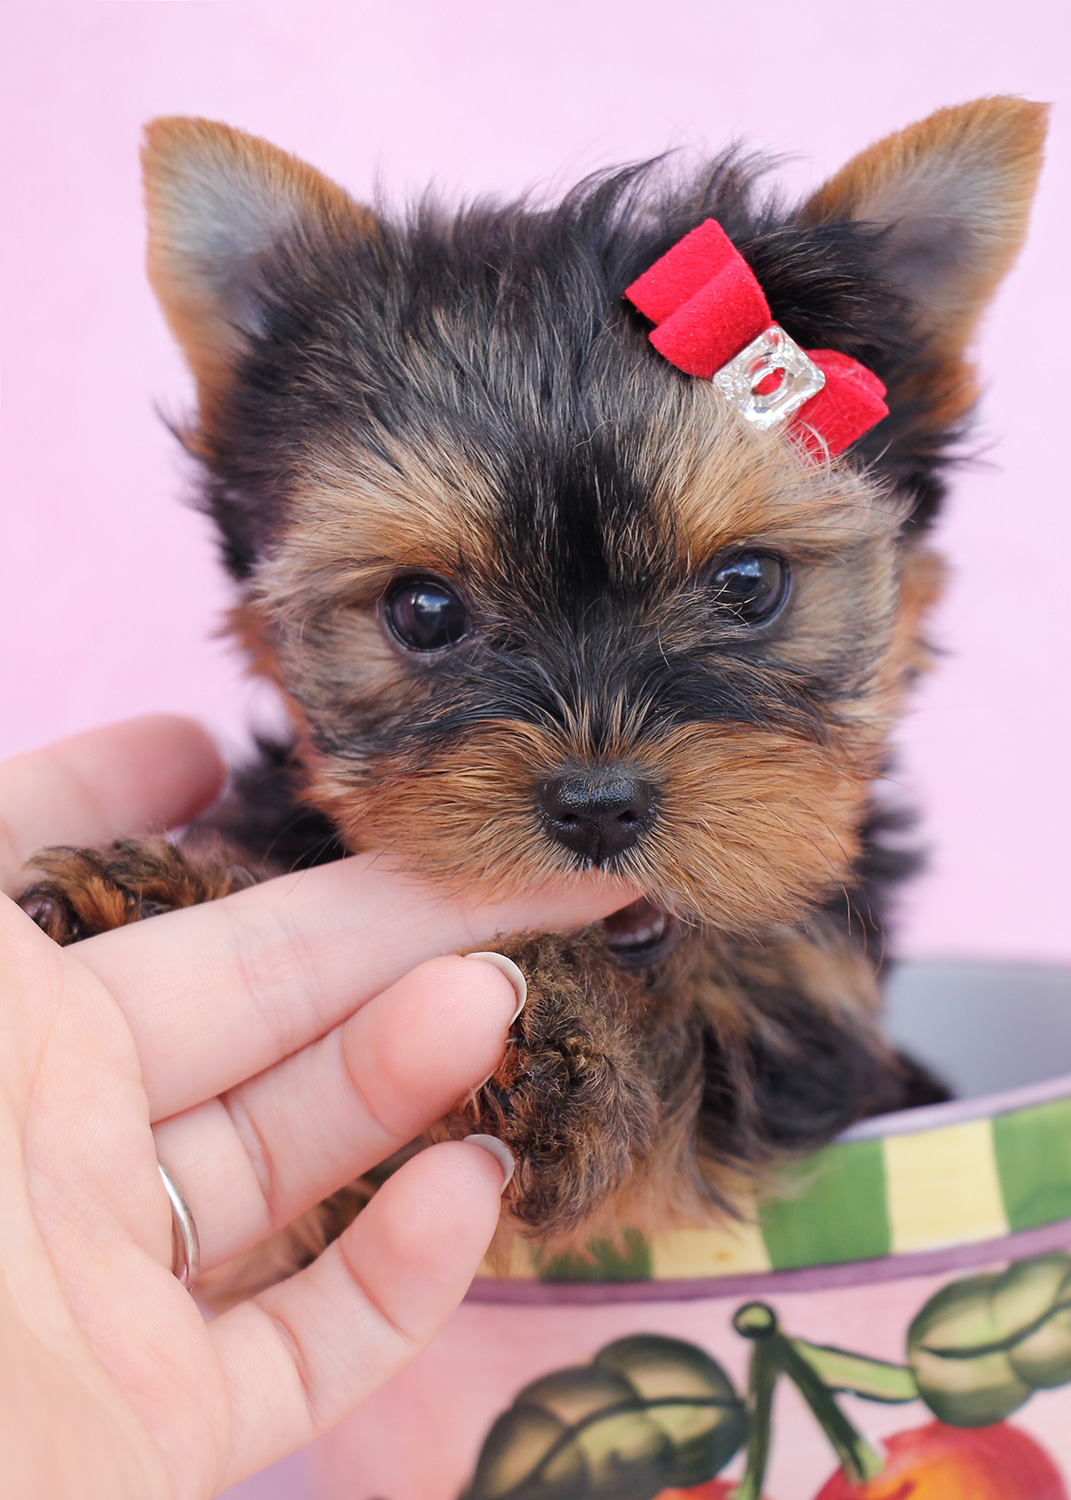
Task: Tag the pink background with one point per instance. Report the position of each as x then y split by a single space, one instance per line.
109 591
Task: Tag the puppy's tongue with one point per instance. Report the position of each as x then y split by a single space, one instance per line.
643 932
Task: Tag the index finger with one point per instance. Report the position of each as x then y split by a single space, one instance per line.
154 772
214 994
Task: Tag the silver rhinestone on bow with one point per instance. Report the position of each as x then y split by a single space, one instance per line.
771 355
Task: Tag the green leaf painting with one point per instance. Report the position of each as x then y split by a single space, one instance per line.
982 1346
652 1413
648 1413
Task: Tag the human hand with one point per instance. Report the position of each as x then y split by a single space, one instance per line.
269 1047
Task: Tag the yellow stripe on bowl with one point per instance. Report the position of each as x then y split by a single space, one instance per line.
942 1187
694 1254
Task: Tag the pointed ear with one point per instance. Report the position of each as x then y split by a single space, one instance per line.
953 193
219 202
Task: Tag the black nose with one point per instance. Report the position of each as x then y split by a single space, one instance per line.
596 814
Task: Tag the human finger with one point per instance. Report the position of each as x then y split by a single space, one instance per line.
214 994
153 772
255 1158
300 1355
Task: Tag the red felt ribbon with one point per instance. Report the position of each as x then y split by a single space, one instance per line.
706 305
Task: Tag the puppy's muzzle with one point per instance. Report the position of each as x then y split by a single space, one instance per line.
596 813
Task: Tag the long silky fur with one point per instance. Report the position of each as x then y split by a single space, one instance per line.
466 393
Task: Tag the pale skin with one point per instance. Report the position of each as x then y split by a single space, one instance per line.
268 1048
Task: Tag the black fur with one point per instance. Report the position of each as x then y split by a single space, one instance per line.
263 815
498 299
501 334
339 318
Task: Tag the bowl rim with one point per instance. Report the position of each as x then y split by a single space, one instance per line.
943 1179
957 1111
592 1293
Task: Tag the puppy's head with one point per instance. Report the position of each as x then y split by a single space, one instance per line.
539 600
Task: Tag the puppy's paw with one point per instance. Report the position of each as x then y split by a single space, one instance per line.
572 1098
81 892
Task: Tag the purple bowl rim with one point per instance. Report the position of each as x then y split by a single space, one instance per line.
958 1111
489 1290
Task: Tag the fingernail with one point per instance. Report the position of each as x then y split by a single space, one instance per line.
490 1143
506 966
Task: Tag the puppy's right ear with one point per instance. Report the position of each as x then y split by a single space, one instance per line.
219 203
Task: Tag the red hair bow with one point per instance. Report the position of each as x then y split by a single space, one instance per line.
713 321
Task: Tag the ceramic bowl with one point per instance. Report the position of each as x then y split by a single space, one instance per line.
897 1323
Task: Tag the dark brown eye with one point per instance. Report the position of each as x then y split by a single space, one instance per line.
754 585
424 615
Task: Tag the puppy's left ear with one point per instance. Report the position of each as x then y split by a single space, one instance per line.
952 194
221 206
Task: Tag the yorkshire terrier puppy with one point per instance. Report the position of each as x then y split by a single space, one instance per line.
541 600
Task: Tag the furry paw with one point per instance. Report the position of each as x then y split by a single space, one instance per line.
572 1098
85 891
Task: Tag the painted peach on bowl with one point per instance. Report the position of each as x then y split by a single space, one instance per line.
949 1463
894 1325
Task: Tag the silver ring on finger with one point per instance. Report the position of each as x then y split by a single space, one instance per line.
186 1247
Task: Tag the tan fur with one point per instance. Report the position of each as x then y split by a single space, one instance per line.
991 148
666 1183
752 823
988 152
631 1098
193 171
922 576
81 892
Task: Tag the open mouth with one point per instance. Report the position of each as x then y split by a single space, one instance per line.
643 933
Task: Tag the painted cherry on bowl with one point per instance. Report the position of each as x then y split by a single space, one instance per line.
956 1463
